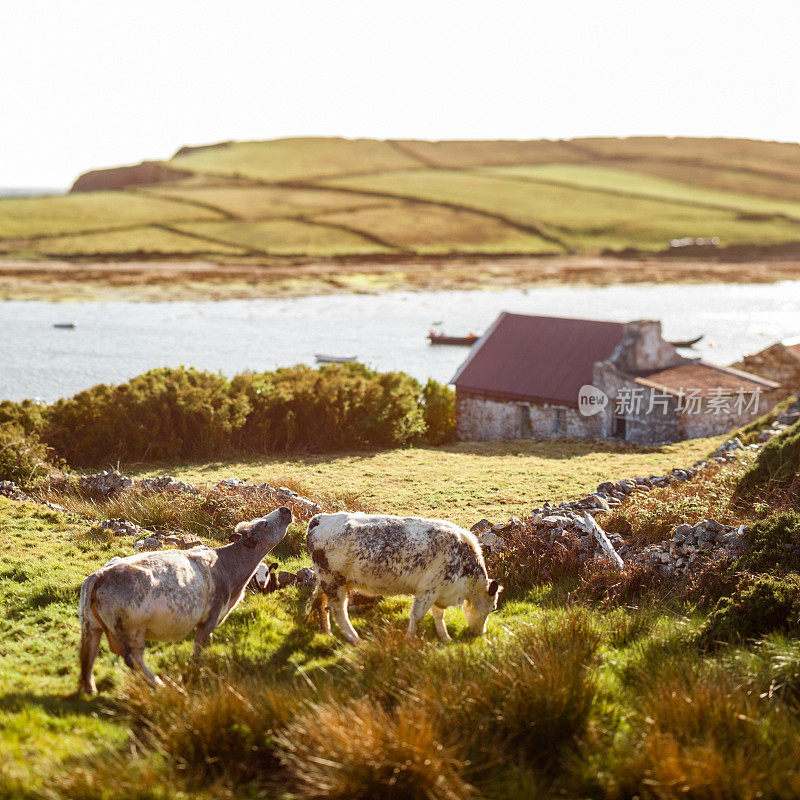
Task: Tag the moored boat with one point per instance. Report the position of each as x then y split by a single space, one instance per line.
439 338
322 358
687 342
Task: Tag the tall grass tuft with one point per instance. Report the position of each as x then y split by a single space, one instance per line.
360 751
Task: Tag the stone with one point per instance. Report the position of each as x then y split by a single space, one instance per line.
491 541
187 542
106 483
481 526
122 527
286 579
556 521
683 530
10 490
150 543
306 577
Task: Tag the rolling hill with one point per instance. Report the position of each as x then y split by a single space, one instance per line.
275 201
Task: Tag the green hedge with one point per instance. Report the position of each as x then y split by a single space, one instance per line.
777 466
180 414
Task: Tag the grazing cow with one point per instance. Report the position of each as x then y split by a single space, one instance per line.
165 595
436 561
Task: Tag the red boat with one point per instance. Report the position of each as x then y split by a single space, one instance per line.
440 338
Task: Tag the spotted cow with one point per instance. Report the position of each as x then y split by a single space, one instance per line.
167 594
436 561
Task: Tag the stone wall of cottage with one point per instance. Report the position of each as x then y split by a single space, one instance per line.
482 418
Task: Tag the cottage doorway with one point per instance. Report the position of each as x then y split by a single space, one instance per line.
525 427
619 427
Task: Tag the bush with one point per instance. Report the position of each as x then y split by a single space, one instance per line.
164 414
22 458
758 607
776 467
774 544
439 409
28 415
335 407
749 433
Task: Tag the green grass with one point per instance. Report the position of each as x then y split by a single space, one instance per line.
286 237
461 482
90 211
135 240
427 228
286 159
636 184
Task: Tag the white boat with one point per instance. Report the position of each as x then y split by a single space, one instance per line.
326 359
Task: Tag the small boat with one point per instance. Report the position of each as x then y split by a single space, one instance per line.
69 325
325 359
440 338
687 342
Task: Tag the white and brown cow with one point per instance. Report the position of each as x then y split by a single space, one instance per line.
167 594
436 561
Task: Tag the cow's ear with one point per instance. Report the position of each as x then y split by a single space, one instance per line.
273 566
234 537
494 588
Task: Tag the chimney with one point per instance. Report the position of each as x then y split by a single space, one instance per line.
643 350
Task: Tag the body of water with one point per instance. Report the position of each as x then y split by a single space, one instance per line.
112 342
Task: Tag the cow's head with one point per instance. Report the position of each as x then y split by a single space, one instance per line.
264 532
480 604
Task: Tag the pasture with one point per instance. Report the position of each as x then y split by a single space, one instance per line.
571 693
266 202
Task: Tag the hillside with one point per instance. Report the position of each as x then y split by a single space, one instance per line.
294 199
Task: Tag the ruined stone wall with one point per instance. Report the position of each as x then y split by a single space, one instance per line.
776 363
708 423
642 349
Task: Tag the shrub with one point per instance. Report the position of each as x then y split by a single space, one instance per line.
23 458
528 561
774 543
635 585
439 410
27 415
164 414
335 407
776 467
759 606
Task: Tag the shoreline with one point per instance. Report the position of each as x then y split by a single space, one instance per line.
145 280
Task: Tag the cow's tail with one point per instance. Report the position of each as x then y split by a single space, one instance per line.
312 523
85 613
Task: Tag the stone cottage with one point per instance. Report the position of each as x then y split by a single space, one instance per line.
553 377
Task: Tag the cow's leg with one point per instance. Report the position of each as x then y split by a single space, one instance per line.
133 643
90 645
419 608
202 636
437 612
319 603
337 600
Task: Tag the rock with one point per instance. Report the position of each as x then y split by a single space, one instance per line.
106 483
122 527
600 502
150 543
605 486
286 579
306 577
187 542
10 490
165 484
175 541
491 541
482 526
556 521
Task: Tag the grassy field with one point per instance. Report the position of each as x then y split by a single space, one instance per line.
563 697
264 202
461 482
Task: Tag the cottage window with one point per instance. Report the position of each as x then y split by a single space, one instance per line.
559 420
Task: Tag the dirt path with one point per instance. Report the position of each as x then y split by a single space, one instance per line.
242 278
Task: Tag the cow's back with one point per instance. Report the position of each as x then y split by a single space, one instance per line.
166 593
386 554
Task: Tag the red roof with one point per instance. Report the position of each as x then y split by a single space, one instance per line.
793 346
545 359
704 378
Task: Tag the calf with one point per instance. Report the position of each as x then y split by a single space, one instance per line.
165 595
436 561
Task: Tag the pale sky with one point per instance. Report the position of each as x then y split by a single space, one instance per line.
88 84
